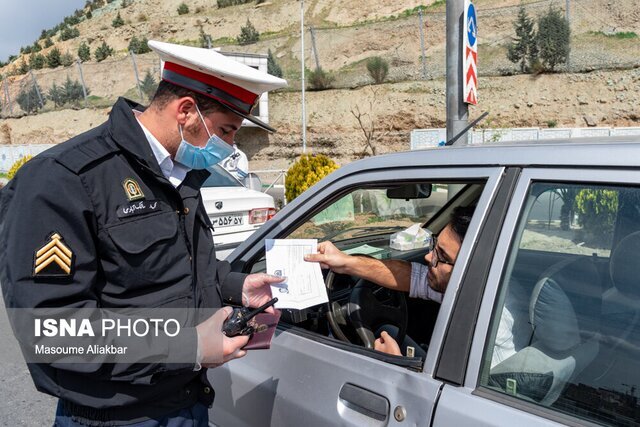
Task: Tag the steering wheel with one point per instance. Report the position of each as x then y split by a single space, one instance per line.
366 312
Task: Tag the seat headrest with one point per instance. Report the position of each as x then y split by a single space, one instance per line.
624 266
552 317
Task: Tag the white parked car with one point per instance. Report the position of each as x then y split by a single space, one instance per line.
235 210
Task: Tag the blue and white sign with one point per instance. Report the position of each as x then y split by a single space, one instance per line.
470 54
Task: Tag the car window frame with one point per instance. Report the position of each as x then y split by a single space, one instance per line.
328 190
499 268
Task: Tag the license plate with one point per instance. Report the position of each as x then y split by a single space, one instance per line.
226 220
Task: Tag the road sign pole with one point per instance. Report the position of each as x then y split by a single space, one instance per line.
457 111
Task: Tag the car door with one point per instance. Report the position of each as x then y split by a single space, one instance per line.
566 286
314 380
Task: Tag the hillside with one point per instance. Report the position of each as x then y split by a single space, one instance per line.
602 79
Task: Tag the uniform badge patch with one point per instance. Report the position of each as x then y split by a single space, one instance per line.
132 189
54 259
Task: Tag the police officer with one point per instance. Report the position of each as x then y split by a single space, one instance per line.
113 218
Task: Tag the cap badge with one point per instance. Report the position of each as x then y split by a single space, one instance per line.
54 259
132 189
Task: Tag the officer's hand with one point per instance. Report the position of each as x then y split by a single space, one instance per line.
215 347
386 344
256 290
331 257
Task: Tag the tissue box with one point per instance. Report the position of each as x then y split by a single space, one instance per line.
414 237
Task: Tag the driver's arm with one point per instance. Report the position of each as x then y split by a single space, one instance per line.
390 273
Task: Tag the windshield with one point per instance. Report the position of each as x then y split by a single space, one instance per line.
220 178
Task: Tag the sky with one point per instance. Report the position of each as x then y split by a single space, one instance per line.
22 21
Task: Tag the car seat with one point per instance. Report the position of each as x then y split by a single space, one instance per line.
563 333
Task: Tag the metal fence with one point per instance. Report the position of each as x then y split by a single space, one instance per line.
413 42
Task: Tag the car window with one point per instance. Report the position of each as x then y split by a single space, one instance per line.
370 211
220 178
565 332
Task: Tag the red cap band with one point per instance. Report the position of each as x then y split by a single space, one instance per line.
241 94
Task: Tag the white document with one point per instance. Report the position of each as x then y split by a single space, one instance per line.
304 286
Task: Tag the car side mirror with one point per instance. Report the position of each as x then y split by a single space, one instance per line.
252 181
410 191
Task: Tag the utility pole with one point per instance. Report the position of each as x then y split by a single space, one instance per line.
457 110
315 49
424 58
304 115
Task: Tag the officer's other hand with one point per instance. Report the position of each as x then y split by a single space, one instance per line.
386 344
215 347
330 257
256 290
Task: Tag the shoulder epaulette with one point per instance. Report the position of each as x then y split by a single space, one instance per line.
81 151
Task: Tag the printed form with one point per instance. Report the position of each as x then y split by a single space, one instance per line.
304 286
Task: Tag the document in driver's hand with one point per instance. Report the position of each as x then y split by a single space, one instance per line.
304 286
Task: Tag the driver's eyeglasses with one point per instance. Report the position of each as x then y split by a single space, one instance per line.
436 258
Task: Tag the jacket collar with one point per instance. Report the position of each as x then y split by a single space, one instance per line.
128 135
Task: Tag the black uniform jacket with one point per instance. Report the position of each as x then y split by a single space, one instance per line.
86 195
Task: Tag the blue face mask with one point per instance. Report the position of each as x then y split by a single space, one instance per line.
202 157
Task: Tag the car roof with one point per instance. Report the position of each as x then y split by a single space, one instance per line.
614 152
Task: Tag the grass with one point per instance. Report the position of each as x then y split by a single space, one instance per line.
620 35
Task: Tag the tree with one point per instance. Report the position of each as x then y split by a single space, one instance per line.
139 46
36 61
67 33
66 59
53 58
149 85
367 124
56 95
248 34
378 69
103 52
523 49
554 39
84 52
48 42
72 90
118 21
183 9
36 47
29 100
272 66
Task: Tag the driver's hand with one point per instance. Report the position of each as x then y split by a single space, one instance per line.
386 344
330 257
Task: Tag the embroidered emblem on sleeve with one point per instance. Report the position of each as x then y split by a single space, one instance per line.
54 259
132 189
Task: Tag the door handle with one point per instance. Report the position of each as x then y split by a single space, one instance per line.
364 402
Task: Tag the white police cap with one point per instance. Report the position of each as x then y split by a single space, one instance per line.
207 72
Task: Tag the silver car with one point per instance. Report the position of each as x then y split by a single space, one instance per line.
540 323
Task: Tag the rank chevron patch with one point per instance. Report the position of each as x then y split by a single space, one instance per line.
54 259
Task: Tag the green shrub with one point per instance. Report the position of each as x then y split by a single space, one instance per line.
183 9
320 79
70 92
48 42
68 33
103 52
248 34
66 59
17 165
29 100
118 21
56 95
84 52
596 211
53 58
523 49
149 85
378 69
139 46
227 3
272 66
305 172
37 61
552 123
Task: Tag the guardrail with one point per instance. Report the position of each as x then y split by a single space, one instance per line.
425 138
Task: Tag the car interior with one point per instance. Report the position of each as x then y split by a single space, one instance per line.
573 308
362 223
